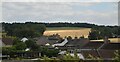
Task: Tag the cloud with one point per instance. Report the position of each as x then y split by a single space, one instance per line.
54 12
0 11
60 0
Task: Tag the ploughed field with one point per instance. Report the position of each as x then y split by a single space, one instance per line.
68 31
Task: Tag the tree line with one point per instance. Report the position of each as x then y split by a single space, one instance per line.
24 29
100 32
34 29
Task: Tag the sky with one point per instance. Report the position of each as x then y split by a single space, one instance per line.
101 13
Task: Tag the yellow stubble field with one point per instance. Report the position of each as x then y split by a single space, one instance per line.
77 32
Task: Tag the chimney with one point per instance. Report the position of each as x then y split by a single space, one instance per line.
106 40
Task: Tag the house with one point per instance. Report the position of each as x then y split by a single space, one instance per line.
7 42
24 39
92 45
54 37
43 41
74 44
84 47
61 44
107 54
72 54
102 54
111 46
104 50
108 50
29 54
20 54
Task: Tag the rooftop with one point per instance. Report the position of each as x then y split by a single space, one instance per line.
93 45
7 41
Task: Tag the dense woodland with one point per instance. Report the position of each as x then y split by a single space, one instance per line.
34 29
24 29
99 32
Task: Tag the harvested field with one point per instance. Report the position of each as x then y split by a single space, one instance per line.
112 40
73 32
115 40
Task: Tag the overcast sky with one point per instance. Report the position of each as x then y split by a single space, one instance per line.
105 13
